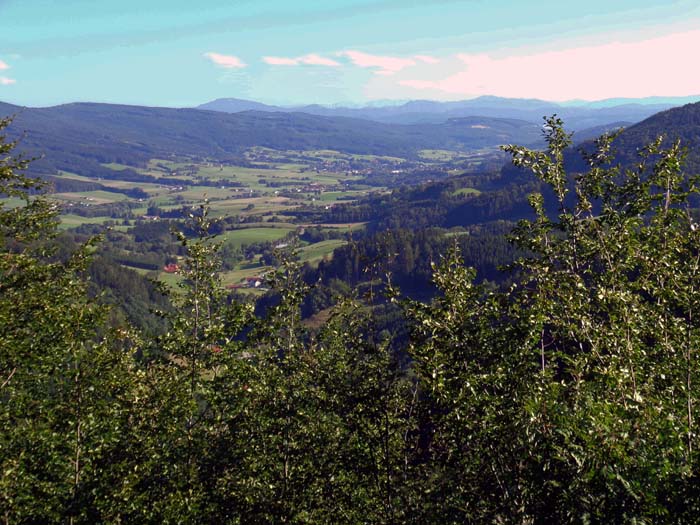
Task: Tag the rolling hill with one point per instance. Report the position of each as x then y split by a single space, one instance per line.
681 123
80 137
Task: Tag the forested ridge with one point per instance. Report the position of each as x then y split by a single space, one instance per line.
567 394
81 137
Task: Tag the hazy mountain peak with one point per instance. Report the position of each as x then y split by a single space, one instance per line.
577 115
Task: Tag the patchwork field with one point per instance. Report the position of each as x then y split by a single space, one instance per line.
278 182
253 199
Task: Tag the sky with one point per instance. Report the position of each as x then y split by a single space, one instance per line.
181 53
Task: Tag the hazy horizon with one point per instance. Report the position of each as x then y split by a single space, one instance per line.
602 103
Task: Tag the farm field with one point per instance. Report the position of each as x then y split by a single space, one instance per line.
253 197
252 200
314 253
90 197
241 237
71 221
466 191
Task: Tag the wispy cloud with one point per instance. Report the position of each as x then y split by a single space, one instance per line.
3 65
317 60
225 61
383 65
641 68
4 81
427 59
281 61
311 59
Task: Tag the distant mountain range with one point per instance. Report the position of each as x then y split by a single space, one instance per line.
578 115
81 137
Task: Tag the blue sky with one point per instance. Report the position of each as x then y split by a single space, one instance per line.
183 53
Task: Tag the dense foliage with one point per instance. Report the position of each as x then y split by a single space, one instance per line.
568 397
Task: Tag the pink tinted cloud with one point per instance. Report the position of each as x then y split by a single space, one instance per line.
427 59
225 61
4 81
317 60
312 59
383 65
3 65
281 61
656 66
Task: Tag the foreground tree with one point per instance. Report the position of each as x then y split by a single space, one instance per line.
62 387
182 438
571 397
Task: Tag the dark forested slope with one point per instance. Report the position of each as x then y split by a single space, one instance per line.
682 123
678 123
